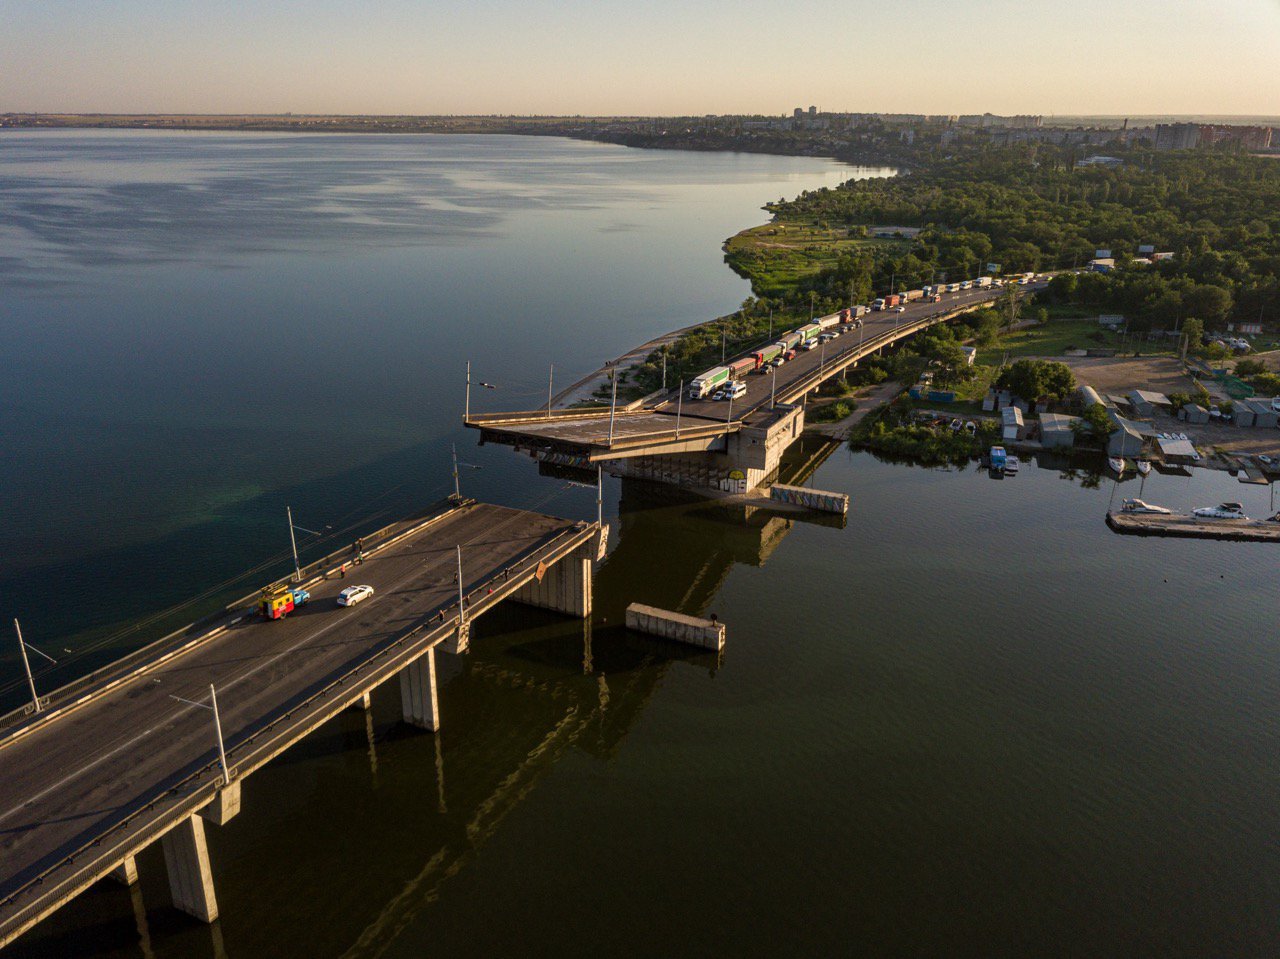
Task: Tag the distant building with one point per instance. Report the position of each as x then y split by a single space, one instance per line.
1251 328
1177 136
1145 402
1194 414
1100 161
1101 264
813 112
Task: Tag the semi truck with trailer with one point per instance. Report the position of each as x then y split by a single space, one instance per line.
706 383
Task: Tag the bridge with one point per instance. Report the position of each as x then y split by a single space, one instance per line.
733 446
95 772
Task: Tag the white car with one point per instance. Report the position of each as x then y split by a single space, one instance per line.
900 309
1221 511
354 594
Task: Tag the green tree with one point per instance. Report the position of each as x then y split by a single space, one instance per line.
1193 330
1094 424
1034 380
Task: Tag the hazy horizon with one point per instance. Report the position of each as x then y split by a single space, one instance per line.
399 57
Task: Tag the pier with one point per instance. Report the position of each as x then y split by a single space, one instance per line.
1154 524
140 753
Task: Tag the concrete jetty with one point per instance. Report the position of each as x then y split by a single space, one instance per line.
706 633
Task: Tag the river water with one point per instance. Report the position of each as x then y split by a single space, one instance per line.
972 721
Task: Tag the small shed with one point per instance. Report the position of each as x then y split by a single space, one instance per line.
1242 413
1145 402
1056 431
1127 439
1264 416
1090 397
1177 450
1112 321
1194 413
1014 425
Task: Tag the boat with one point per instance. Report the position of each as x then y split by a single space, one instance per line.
1117 465
998 457
1138 506
1144 467
971 428
1221 511
1011 464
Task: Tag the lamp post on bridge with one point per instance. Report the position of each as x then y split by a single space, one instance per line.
679 406
613 402
466 409
217 729
293 542
462 611
26 664
773 388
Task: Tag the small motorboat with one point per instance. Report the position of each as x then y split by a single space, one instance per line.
1011 464
998 458
1221 511
1117 465
1144 467
1138 506
971 428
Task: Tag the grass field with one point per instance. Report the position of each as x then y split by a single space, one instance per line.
1057 336
776 256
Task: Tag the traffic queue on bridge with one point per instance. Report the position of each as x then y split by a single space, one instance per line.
718 381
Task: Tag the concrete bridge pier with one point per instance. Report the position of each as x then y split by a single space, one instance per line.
186 857
127 872
419 702
564 587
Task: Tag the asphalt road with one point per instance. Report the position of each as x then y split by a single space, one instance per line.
70 781
759 385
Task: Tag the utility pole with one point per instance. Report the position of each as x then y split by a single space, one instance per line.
551 378
771 323
457 488
722 341
466 414
26 665
217 728
664 368
613 403
293 541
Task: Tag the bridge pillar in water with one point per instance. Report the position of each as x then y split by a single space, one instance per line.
564 587
419 702
186 857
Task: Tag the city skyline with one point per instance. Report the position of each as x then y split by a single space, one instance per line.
398 57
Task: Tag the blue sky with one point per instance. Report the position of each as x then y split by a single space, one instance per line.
656 57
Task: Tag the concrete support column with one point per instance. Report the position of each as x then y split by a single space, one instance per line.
564 587
418 700
186 857
126 872
364 702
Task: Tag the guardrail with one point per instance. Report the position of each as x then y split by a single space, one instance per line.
203 792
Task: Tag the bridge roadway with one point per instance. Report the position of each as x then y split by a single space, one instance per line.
83 789
651 429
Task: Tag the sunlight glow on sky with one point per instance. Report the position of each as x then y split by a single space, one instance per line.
658 57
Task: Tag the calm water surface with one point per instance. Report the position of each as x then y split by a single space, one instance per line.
971 722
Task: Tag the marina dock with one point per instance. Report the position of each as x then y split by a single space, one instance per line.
1238 530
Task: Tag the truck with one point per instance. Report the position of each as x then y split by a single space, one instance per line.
912 295
765 356
893 299
984 282
935 298
858 311
826 322
706 383
808 333
740 368
279 600
788 342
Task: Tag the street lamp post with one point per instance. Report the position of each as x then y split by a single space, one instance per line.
26 665
613 402
462 613
293 542
217 729
457 487
679 406
466 409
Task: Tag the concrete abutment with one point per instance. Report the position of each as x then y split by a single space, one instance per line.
419 699
564 587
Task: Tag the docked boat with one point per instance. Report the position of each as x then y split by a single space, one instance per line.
1221 511
1138 506
1117 465
1144 467
998 457
1011 464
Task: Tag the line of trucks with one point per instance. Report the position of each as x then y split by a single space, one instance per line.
717 381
